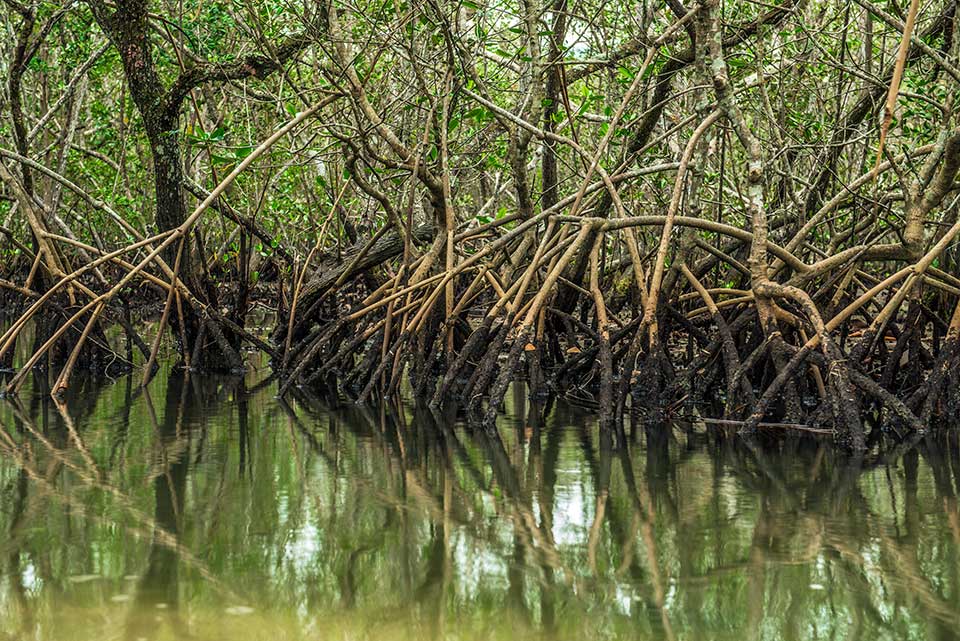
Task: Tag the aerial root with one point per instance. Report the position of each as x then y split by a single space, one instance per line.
757 351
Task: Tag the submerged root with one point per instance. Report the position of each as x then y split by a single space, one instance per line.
620 360
781 361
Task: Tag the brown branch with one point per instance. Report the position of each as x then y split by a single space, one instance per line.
257 66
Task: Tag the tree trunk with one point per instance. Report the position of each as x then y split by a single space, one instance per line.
128 29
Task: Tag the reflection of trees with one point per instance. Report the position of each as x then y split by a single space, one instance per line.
822 508
14 571
667 520
64 466
546 527
158 586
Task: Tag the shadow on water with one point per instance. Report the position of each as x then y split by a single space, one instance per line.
205 508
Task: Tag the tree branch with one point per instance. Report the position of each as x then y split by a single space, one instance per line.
252 66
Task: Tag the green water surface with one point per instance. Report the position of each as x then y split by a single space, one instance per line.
207 509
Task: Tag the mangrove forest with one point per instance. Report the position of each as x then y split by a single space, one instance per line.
473 319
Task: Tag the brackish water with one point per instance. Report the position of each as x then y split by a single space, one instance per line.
207 509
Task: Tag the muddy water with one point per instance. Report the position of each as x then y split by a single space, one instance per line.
207 509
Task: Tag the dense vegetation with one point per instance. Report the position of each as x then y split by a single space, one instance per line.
744 203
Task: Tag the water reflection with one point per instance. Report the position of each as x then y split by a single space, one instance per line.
204 508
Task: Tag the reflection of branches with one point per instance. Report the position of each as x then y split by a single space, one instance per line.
405 496
159 583
831 515
509 504
145 525
644 511
17 523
